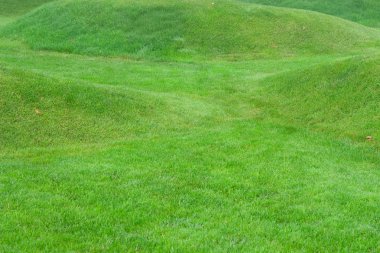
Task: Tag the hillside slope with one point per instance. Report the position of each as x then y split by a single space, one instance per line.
181 29
18 7
341 98
364 11
39 111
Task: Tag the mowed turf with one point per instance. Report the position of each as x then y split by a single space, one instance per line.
350 88
185 29
241 186
16 7
364 11
201 146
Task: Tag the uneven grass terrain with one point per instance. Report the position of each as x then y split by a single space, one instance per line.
363 11
183 29
16 7
350 88
187 126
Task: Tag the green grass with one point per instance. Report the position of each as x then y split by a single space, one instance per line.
175 29
214 143
350 88
363 11
75 110
201 191
18 7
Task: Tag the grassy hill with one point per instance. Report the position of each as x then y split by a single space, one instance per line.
18 7
177 29
188 126
364 11
341 98
33 103
61 112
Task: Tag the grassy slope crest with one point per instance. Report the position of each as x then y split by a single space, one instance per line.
178 29
342 98
364 11
18 7
40 111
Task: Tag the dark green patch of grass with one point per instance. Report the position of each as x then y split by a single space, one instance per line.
18 7
362 11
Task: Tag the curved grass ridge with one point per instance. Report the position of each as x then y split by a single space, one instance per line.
18 7
365 12
178 29
39 111
341 98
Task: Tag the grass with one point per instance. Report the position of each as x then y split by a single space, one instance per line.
176 29
350 88
364 11
166 194
221 148
15 8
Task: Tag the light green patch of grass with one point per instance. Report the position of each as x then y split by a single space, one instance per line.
242 186
5 20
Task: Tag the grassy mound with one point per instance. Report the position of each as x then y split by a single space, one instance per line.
39 111
17 7
341 97
364 11
179 29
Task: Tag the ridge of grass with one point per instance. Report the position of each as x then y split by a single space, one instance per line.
341 98
11 8
365 12
41 111
181 29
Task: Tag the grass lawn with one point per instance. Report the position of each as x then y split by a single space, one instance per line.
142 129
364 11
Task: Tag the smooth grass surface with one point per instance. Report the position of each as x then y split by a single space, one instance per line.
209 156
